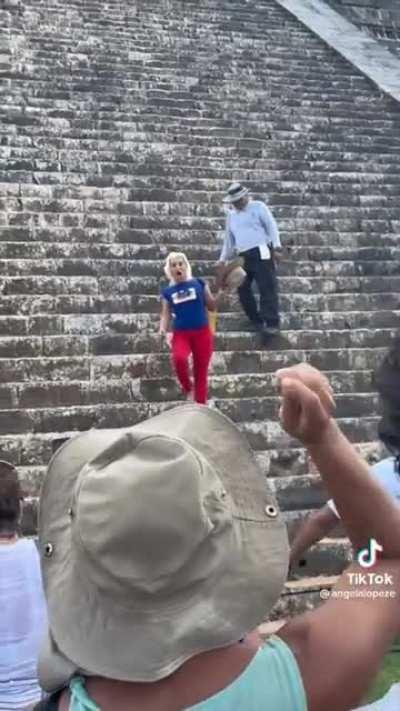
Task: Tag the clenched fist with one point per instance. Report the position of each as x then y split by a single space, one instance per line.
307 403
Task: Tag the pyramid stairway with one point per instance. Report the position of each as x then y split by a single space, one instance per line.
121 125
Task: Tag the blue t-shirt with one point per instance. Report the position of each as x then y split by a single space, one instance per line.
188 306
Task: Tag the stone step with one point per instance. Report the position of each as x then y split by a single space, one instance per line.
328 557
325 125
21 250
253 153
325 244
130 323
349 135
32 453
302 595
199 202
236 405
304 305
260 433
100 267
176 191
165 67
296 518
147 342
361 155
198 188
56 368
116 175
108 286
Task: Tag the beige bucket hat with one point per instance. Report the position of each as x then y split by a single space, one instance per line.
158 542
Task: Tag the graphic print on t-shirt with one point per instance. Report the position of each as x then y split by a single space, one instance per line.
188 294
187 301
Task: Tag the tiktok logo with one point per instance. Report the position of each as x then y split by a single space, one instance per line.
367 556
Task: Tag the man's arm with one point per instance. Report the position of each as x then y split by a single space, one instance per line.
271 228
227 252
338 647
366 510
317 526
228 246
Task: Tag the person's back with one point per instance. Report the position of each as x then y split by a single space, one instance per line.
22 621
23 614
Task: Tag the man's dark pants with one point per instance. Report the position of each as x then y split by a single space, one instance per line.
262 271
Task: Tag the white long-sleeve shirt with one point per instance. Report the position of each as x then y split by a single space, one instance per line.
23 621
254 226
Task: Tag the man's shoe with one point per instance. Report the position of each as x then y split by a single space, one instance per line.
272 331
247 325
268 333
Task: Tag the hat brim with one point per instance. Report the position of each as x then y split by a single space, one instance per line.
235 198
93 635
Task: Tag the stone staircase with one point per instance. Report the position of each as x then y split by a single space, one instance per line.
121 125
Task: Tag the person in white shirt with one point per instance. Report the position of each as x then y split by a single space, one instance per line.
321 523
23 617
252 232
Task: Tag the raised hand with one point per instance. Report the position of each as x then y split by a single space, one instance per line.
307 403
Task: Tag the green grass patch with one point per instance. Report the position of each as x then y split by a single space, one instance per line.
389 674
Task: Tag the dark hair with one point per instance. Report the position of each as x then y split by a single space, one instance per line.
387 383
10 498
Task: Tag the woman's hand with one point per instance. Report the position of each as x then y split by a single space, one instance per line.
307 403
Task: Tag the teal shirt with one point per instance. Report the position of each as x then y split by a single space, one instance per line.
271 681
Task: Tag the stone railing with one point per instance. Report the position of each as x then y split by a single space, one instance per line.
378 18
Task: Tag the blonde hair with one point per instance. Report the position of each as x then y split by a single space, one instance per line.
177 255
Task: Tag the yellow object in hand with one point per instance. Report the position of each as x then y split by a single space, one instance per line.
212 320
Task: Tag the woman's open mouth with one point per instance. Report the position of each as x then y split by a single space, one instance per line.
179 272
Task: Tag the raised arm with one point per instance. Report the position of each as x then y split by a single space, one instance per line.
338 647
365 508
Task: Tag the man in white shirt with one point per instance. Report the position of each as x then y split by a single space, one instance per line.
251 232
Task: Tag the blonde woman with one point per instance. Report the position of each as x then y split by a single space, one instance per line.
185 301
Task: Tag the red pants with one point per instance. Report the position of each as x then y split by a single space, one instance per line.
199 343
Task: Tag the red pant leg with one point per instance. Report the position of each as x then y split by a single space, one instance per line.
180 352
202 349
